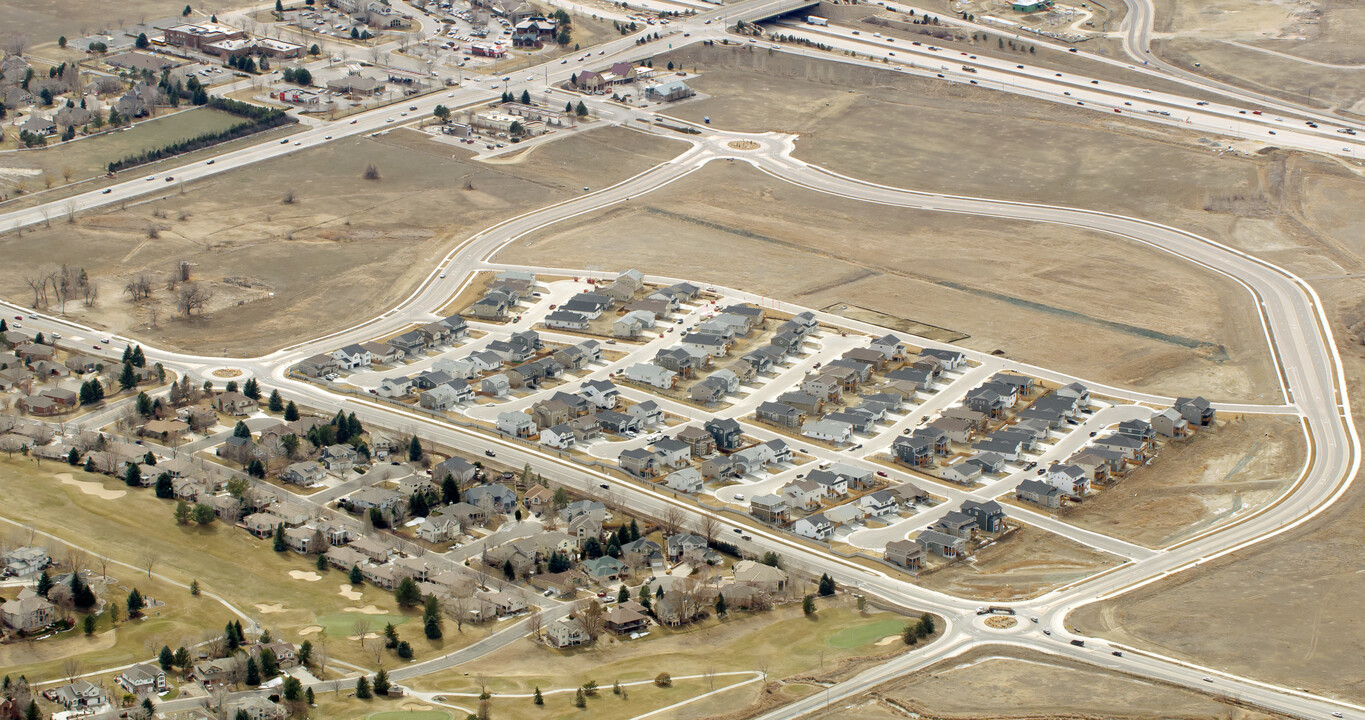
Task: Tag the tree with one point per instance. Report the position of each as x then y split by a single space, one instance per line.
315 50
322 563
926 621
33 713
772 559
144 405
910 635
644 597
128 378
580 701
132 476
135 603
808 605
407 593
182 513
203 514
450 490
186 11
431 618
280 546
88 624
293 690
826 585
581 110
414 449
362 688
377 518
166 658
142 43
241 430
404 650
276 402
252 389
279 7
270 665
182 658
61 41
539 700
720 604
381 682
356 577
308 694
291 412
441 112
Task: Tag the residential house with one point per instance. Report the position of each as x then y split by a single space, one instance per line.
913 450
603 394
763 577
963 473
989 462
640 462
957 524
351 357
1195 410
680 544
1070 479
306 473
806 403
516 424
1170 423
1038 492
830 431
990 517
652 375
780 414
726 432
815 527
256 707
567 632
770 508
647 412
499 497
805 493
905 553
25 561
672 453
878 503
144 679
81 697
28 612
233 403
624 620
603 570
495 385
941 544
560 437
702 441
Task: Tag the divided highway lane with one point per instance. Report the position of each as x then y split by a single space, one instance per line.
1074 89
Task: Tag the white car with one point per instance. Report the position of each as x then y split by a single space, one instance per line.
739 496
443 274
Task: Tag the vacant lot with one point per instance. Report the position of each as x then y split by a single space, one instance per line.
1026 563
225 560
1003 682
1217 476
43 22
343 250
1032 288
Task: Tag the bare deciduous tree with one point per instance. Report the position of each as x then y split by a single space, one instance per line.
67 172
671 520
708 527
288 198
139 287
192 296
149 560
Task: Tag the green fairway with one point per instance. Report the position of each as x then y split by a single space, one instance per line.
410 715
860 635
342 624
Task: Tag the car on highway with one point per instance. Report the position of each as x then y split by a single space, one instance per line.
298 143
1047 632
738 531
1117 653
211 161
443 274
404 113
149 179
169 178
353 122
1208 679
490 453
107 191
284 141
329 137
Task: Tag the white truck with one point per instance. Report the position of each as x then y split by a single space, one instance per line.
812 20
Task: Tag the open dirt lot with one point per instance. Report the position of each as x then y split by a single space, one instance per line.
42 22
1309 37
1001 682
1194 485
1032 288
345 249
1024 564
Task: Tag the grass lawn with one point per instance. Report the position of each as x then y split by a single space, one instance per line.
225 560
91 156
410 715
782 642
344 624
860 635
182 620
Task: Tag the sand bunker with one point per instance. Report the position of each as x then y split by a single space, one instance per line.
889 640
367 610
368 636
348 593
91 488
310 630
268 609
308 576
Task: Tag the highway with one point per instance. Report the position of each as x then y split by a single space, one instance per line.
1295 327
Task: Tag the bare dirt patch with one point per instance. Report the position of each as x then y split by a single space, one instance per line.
1002 682
1212 478
1025 563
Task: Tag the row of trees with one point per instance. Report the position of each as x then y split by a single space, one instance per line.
261 118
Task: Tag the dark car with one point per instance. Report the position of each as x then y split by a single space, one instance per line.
490 453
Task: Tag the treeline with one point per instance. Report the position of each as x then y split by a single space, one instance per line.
261 118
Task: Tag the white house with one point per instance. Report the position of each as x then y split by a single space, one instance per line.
516 423
815 527
1070 479
831 431
652 375
686 480
558 436
878 503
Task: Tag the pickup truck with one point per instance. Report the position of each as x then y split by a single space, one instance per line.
968 68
